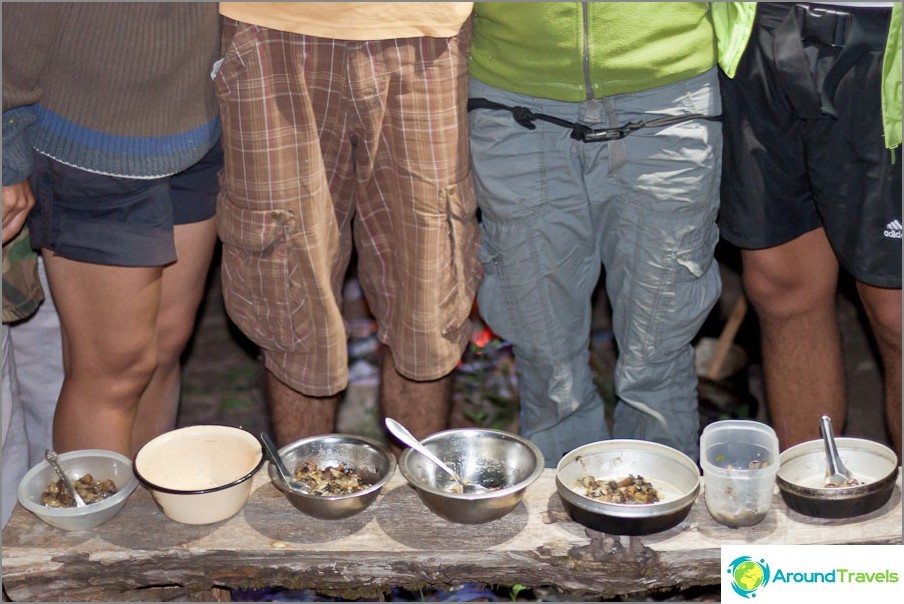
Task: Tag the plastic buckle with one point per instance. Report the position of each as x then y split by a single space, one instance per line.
524 117
826 26
606 134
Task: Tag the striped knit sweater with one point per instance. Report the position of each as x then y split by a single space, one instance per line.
122 89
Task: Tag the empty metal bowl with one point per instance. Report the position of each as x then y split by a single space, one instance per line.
673 474
102 465
372 461
504 463
801 478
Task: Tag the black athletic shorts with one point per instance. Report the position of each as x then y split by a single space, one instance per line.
803 138
118 221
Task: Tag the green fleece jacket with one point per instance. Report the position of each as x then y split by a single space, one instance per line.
733 22
574 51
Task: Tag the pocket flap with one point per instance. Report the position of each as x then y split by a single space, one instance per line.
254 230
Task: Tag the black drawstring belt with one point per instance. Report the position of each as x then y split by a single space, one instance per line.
581 132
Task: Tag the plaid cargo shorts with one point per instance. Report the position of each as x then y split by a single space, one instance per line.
332 144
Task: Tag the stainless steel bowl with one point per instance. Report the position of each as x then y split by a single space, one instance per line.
801 478
672 473
504 463
370 459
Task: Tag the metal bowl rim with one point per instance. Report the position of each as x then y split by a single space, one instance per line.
626 510
836 494
493 494
336 436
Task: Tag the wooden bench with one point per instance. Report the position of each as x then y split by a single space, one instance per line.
143 556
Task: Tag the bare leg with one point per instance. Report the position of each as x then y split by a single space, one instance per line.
108 317
883 307
793 288
295 415
182 291
422 407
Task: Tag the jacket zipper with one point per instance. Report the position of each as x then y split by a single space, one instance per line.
586 51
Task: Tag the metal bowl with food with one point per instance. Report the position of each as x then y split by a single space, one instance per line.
503 464
343 474
801 478
627 487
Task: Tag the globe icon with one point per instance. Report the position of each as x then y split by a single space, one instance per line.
748 575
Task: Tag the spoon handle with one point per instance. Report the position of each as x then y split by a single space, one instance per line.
54 462
402 433
833 461
273 454
287 476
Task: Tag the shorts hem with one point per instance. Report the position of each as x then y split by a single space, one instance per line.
277 368
749 243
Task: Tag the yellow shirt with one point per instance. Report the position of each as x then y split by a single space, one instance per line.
354 20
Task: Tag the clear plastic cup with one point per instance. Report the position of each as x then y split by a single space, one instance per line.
740 459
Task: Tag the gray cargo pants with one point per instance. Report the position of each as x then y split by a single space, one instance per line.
555 210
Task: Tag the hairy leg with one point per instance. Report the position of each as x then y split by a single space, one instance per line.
295 415
883 307
181 294
108 317
422 407
792 287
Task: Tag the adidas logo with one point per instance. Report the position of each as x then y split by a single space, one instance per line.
893 229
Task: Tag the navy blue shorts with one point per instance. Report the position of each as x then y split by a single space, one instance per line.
117 221
804 145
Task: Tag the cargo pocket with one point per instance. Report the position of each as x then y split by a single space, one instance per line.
689 288
463 241
261 281
495 303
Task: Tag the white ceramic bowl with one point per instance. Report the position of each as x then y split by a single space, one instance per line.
200 474
102 465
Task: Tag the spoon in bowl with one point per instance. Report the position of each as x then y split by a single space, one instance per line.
402 433
284 472
53 460
837 475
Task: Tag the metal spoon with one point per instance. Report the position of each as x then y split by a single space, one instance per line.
837 475
54 462
284 472
402 433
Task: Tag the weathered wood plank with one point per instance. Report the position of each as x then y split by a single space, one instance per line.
141 555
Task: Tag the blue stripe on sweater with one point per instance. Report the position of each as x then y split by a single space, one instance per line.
58 126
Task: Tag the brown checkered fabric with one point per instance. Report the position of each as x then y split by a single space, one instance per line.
329 142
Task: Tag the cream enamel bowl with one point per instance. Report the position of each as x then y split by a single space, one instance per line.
200 474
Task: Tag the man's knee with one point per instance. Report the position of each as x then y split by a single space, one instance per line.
883 307
782 293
